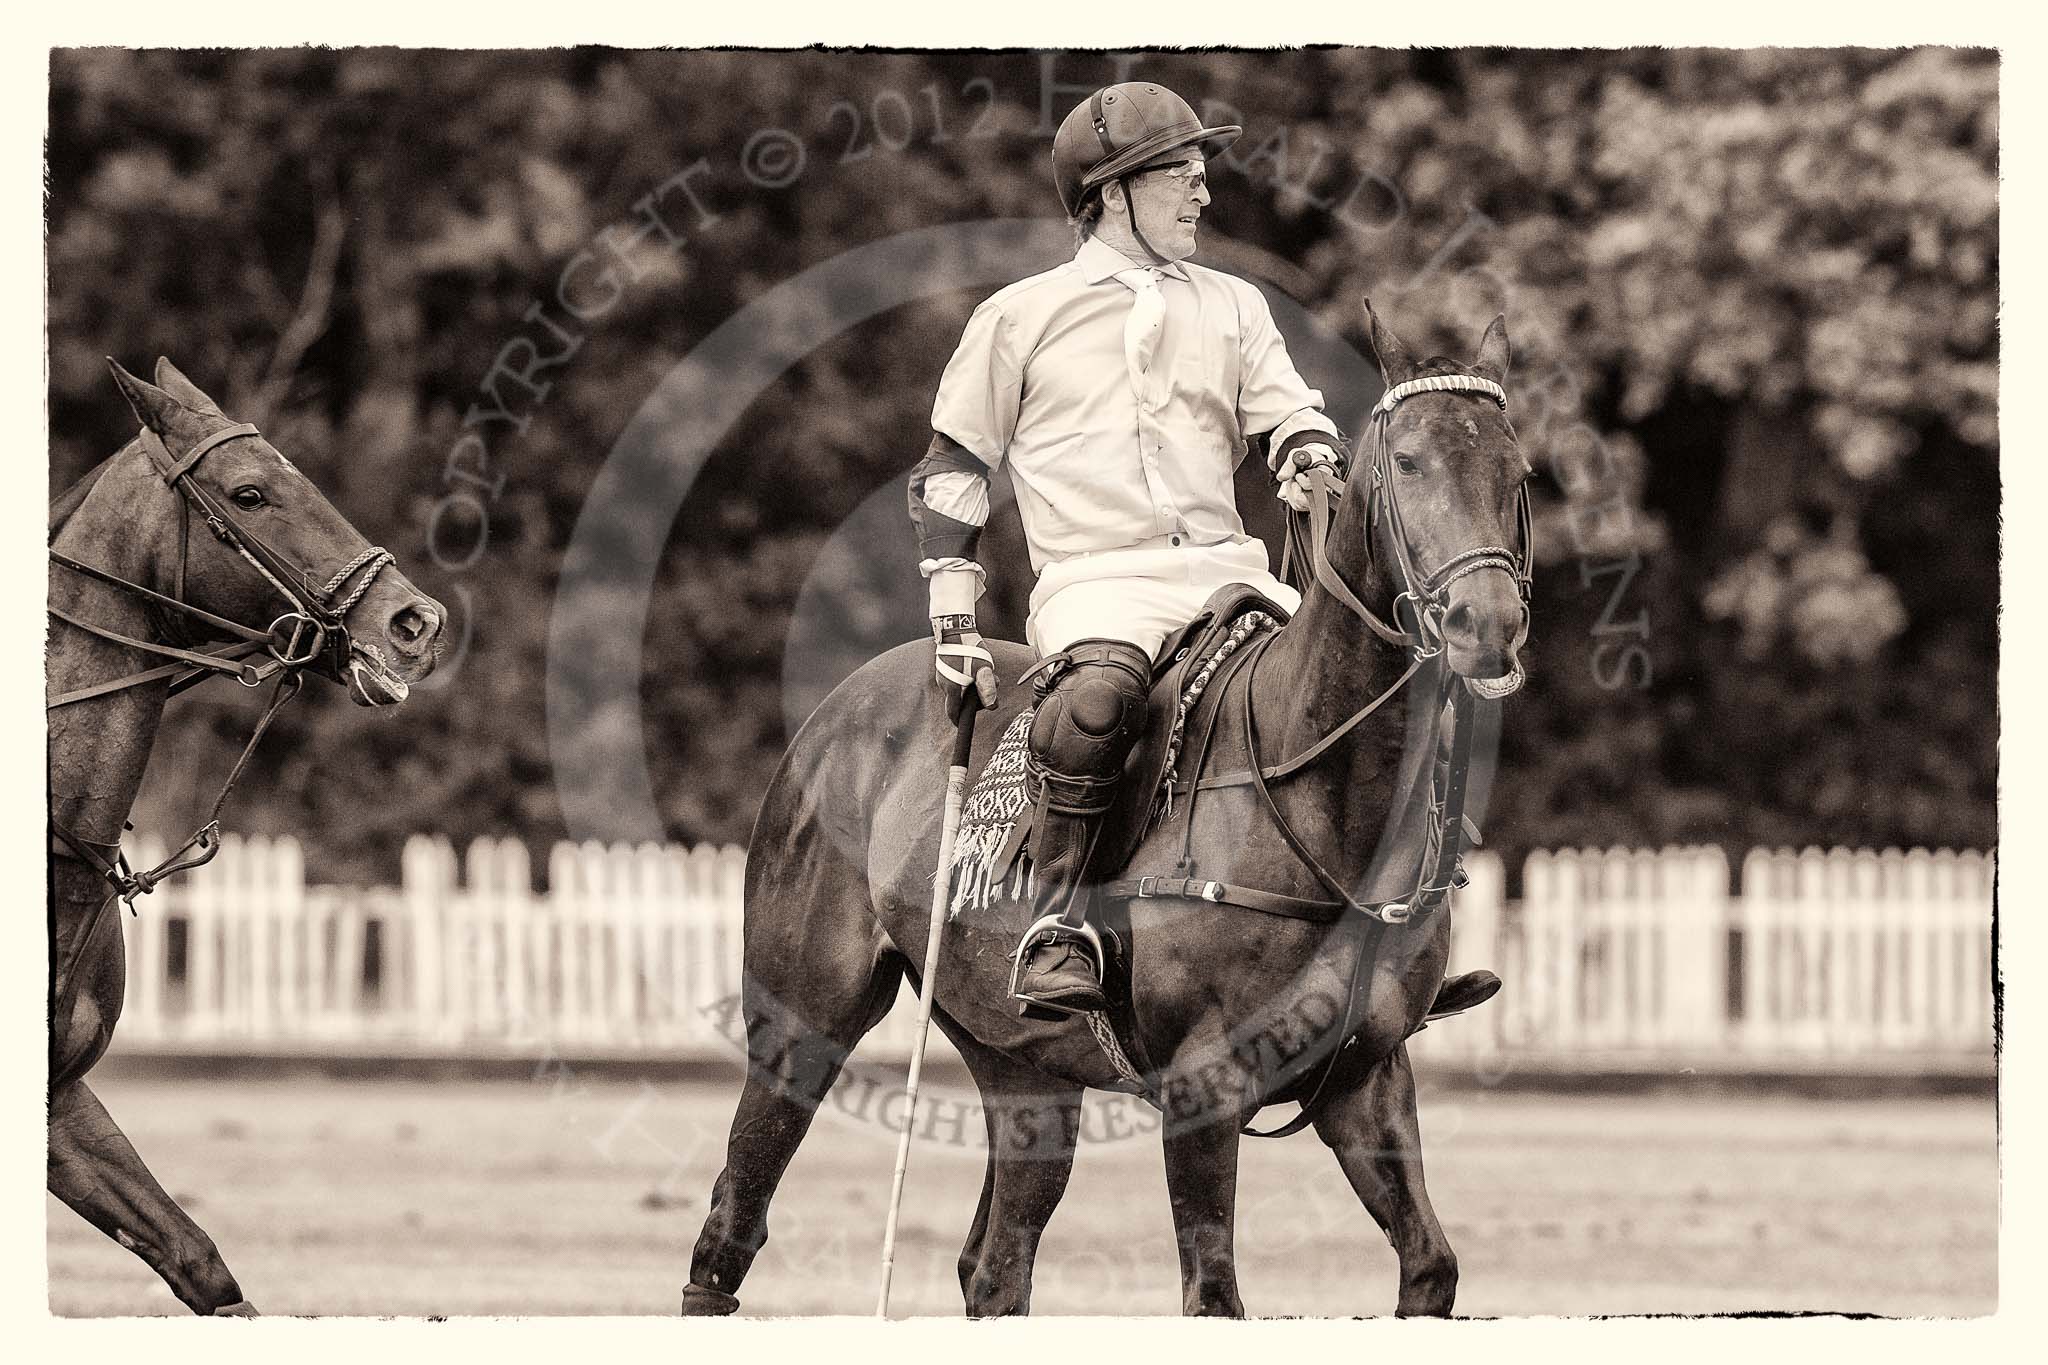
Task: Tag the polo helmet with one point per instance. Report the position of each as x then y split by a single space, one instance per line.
1122 129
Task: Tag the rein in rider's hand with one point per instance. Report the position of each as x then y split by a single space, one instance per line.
1293 473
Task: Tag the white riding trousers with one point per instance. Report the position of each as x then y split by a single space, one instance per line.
1144 592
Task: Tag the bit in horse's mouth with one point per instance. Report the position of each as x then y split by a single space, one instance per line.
1493 689
371 681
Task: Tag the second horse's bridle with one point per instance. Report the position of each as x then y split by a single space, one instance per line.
314 630
314 633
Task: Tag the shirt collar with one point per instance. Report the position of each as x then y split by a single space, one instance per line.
1100 261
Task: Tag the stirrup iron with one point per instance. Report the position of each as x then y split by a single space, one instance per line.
1054 929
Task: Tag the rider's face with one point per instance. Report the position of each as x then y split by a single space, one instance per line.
1168 204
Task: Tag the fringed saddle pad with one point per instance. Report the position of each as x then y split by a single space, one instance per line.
994 811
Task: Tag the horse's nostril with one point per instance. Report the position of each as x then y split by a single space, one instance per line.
410 625
1458 620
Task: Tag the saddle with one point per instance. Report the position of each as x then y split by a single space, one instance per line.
996 820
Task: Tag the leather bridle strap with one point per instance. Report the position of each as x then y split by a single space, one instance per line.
231 662
220 623
175 470
296 584
128 885
182 675
1321 512
1314 751
278 571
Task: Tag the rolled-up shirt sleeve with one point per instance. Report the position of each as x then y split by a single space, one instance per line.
982 387
1272 393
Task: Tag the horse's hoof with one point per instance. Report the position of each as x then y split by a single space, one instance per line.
699 1302
240 1308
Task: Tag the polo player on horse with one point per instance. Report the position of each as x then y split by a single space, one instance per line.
1122 388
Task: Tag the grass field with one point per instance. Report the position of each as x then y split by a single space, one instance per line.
564 1194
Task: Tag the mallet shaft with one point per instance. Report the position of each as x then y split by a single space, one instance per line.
949 829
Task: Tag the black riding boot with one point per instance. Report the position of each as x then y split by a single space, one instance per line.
1061 971
1090 712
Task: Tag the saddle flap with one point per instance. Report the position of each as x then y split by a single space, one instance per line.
997 820
1194 640
1125 825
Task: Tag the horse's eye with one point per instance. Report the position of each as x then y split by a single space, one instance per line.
248 498
1406 465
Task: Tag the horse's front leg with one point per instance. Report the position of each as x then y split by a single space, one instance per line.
95 1170
1205 1107
1369 1122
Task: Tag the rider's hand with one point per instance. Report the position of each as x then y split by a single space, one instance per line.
1293 476
958 654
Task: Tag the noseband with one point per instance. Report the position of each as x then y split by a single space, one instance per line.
314 632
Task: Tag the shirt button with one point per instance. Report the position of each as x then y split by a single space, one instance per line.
1176 540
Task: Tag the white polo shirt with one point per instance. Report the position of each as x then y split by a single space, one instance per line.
1039 382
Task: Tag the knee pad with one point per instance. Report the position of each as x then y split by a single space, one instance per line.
1090 714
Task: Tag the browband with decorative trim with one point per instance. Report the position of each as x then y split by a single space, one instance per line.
1466 383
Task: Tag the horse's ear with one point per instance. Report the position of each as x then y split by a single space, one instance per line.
183 389
153 407
1493 351
1396 364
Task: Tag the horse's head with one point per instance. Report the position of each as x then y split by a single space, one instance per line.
286 555
1446 507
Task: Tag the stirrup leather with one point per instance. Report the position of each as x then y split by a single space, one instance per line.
1054 929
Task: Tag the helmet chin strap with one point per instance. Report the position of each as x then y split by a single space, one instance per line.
1131 215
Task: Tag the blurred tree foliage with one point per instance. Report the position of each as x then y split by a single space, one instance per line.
1753 297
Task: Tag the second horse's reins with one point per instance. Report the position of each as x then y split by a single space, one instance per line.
314 632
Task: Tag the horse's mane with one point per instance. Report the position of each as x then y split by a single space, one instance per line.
65 504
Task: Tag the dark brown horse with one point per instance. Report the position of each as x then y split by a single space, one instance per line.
196 541
1421 587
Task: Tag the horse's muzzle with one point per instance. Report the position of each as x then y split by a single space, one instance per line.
1484 628
383 663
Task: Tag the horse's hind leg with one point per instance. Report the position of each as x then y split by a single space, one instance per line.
1034 1122
1371 1126
94 1169
792 1060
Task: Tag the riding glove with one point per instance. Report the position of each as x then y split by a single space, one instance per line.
959 657
1294 486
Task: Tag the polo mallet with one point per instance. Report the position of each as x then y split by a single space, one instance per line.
942 884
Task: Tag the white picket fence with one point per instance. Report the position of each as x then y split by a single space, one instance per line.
1835 960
